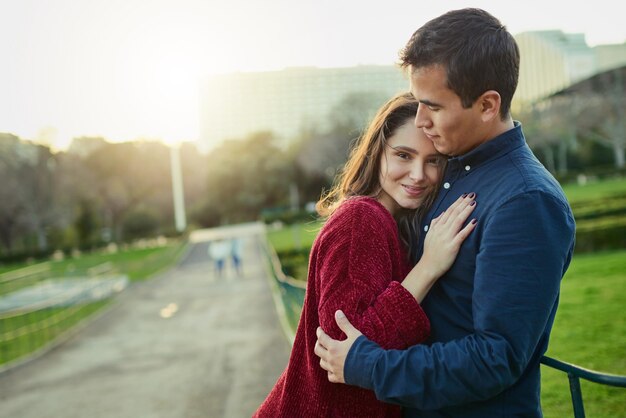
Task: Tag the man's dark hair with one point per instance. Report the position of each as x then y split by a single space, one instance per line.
476 50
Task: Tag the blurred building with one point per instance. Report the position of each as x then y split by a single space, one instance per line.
553 60
293 100
285 102
610 57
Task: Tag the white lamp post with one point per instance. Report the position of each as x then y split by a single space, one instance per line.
177 189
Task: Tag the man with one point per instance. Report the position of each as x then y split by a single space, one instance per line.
492 312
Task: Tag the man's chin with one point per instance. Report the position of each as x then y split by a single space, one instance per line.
441 149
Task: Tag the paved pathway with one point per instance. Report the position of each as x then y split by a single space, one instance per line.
184 344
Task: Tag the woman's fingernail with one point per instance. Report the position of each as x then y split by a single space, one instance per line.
473 221
473 203
471 195
464 194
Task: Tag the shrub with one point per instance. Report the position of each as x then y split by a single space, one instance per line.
295 262
607 233
287 217
140 224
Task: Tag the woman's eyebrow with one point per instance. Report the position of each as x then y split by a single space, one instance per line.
404 148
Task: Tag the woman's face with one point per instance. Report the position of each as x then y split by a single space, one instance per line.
409 169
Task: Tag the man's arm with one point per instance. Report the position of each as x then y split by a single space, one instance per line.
518 271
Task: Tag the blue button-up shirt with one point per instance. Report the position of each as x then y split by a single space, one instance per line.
492 312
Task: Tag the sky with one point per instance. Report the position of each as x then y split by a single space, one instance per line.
130 69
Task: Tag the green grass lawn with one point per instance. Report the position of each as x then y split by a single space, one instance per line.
294 236
38 328
25 333
595 190
137 264
590 330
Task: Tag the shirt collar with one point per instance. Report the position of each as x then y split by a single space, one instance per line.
492 149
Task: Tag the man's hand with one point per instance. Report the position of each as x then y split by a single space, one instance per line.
333 353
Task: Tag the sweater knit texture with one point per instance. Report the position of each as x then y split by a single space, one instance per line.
356 264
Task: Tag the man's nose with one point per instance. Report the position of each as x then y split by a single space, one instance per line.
422 119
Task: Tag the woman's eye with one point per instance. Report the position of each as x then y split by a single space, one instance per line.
433 161
404 155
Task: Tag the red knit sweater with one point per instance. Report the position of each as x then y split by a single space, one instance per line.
355 265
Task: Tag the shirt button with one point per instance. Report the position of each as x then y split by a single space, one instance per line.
446 185
425 228
467 168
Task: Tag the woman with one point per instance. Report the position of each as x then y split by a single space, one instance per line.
359 262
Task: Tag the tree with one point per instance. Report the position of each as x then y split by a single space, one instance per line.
126 175
322 154
86 224
554 128
13 219
40 181
598 105
246 176
31 199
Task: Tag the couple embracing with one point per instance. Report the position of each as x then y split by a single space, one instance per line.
434 282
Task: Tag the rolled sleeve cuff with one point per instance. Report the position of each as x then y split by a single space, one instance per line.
410 323
360 363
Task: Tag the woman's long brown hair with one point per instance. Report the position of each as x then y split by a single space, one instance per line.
360 174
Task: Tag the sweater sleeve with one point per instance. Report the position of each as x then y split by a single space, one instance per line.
355 275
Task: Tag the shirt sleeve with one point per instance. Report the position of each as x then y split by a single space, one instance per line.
355 276
525 249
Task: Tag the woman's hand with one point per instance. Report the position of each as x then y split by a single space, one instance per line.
446 234
441 246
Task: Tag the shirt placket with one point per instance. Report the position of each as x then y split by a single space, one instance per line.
453 172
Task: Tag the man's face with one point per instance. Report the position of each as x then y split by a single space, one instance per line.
452 129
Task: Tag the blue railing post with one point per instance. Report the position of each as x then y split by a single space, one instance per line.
577 396
575 373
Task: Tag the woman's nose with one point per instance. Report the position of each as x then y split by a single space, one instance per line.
417 171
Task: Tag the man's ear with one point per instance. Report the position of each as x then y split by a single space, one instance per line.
489 103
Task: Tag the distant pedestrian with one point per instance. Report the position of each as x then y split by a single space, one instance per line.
235 253
219 251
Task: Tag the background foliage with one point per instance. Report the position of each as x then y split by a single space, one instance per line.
99 192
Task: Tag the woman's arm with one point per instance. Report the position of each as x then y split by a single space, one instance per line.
354 273
355 276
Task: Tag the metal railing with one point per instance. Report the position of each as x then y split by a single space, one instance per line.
35 308
575 373
288 292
